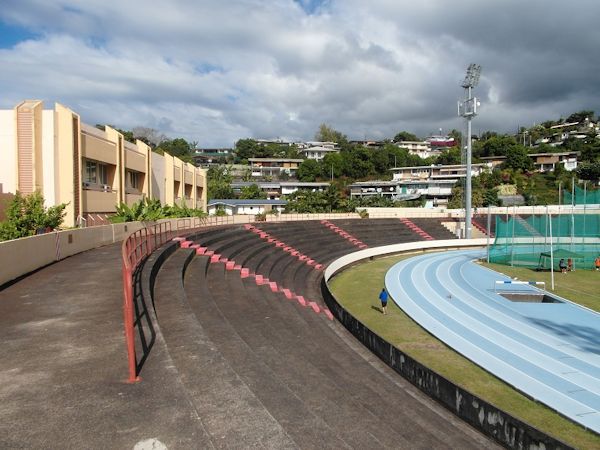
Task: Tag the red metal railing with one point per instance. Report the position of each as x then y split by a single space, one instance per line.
138 246
134 250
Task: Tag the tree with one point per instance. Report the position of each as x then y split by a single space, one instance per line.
252 192
25 215
179 148
581 116
309 170
246 148
490 180
457 136
591 152
332 162
219 183
457 201
287 151
380 158
549 123
150 136
357 163
449 156
127 135
399 157
490 197
332 196
497 146
517 158
589 171
327 134
305 201
572 144
487 135
405 136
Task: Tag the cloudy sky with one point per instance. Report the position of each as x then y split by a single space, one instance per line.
217 71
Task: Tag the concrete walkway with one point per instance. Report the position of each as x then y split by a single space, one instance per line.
63 365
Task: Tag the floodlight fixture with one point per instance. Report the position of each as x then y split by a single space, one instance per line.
468 110
472 76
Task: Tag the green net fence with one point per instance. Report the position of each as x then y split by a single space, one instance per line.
582 197
524 240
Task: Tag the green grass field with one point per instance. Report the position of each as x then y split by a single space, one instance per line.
358 287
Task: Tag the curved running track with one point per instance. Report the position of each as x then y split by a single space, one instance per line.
550 351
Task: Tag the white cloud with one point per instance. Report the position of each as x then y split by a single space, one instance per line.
218 71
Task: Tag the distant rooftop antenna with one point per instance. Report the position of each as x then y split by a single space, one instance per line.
468 110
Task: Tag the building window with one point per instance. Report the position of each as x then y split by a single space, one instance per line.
90 173
95 173
133 179
102 173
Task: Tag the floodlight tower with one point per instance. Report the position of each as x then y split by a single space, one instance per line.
468 110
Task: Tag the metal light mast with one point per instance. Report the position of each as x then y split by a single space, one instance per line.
468 110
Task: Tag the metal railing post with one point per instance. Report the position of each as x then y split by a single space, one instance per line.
128 320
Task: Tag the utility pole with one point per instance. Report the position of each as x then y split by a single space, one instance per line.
468 110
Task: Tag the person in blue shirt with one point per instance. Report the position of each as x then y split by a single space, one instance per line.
562 265
383 296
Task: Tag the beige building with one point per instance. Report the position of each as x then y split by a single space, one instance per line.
438 172
274 166
544 162
91 170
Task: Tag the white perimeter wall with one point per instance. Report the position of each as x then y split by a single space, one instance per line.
250 209
8 164
447 244
212 209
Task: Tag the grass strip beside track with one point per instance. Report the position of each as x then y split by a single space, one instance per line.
580 286
357 289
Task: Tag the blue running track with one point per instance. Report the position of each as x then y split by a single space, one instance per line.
550 351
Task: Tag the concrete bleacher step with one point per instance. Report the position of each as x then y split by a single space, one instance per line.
268 267
293 360
229 244
196 358
376 232
434 228
303 234
284 247
222 318
273 329
313 342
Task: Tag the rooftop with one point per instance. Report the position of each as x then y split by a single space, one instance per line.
439 166
402 182
299 160
319 148
489 158
246 202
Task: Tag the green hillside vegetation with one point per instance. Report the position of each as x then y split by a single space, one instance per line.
356 162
